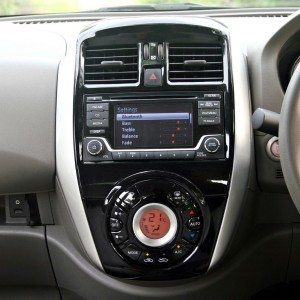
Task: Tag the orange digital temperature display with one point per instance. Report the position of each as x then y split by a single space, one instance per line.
154 224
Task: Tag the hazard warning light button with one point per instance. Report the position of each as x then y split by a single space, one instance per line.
153 77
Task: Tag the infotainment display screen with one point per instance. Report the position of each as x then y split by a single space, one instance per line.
155 125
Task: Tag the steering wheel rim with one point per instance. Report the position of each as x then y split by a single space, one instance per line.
289 137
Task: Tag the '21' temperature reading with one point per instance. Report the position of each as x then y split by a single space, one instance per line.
152 217
155 224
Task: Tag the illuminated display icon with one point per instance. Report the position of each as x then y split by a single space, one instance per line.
154 224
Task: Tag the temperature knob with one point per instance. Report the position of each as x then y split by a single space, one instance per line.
94 147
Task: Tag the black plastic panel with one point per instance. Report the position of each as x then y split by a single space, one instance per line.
97 179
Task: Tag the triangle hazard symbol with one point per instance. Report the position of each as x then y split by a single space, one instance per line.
152 77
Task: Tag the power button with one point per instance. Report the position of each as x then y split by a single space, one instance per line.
212 145
94 147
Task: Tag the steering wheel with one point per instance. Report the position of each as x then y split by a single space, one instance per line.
289 137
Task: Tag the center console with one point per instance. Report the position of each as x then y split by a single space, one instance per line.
153 128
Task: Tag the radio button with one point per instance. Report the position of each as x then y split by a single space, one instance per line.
94 98
147 155
187 154
174 154
97 123
97 115
119 155
94 147
212 145
208 112
97 107
161 155
132 155
208 104
97 131
208 121
213 96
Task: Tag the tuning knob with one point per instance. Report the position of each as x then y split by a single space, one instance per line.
212 145
94 147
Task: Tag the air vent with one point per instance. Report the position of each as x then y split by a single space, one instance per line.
51 21
253 15
111 65
195 63
278 174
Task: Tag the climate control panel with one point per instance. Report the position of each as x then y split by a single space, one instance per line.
157 222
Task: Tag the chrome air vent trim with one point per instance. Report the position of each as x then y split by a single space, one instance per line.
98 74
199 83
195 63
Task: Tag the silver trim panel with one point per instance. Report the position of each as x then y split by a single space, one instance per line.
157 149
154 242
65 152
243 148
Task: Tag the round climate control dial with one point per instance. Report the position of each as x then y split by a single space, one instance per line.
158 222
155 224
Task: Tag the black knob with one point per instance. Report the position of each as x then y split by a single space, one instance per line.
94 147
146 52
212 145
160 51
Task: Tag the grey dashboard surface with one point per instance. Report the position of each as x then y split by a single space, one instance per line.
29 64
26 271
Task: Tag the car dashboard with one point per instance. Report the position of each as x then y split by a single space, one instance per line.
129 164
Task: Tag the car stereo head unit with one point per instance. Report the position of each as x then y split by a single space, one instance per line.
135 127
149 125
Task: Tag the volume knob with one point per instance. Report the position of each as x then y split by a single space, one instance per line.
94 147
212 145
